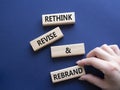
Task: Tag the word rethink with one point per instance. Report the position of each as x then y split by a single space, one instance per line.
67 73
46 39
58 19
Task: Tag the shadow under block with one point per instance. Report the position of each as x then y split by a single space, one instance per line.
46 39
58 19
67 50
67 73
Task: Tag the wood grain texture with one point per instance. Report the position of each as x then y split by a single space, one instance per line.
46 39
67 73
67 50
58 19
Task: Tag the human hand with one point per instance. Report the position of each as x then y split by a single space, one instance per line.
107 60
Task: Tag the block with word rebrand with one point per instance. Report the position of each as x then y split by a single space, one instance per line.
67 50
58 19
46 39
67 73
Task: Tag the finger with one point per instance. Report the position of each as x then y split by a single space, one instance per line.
99 64
94 80
115 48
99 53
106 48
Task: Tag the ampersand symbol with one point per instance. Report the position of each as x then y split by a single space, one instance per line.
68 50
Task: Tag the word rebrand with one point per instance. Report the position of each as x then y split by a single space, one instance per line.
67 73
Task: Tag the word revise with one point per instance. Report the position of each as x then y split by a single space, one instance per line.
67 73
58 19
46 39
67 50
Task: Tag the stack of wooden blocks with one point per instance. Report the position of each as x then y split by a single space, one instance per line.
61 50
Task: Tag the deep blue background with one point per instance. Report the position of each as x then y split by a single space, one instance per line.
97 22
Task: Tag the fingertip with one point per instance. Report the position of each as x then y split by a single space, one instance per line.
115 48
78 62
104 45
92 53
81 78
87 56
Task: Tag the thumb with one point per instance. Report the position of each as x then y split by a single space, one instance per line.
94 80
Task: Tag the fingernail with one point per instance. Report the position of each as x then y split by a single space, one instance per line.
77 62
81 78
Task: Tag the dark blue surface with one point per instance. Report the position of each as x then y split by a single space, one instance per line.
97 22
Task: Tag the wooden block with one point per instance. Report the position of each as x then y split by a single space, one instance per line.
58 19
67 50
67 73
46 39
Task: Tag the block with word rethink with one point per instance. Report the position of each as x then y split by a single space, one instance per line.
46 39
67 50
58 19
67 73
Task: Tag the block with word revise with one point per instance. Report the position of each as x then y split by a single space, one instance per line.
67 50
58 19
46 39
67 73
